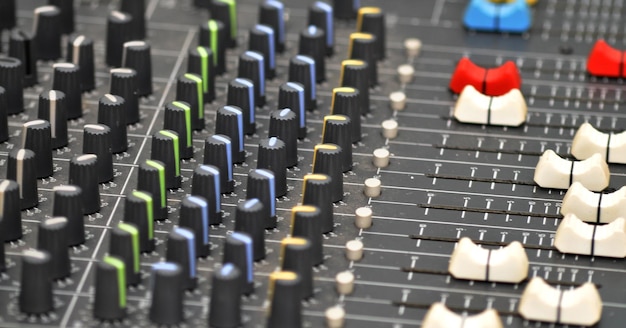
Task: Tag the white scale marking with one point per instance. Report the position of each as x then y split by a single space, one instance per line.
76 48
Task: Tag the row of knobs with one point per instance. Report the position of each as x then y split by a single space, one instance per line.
148 203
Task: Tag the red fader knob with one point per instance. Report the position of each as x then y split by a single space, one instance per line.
605 60
489 81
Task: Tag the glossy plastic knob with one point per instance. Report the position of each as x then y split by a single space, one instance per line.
22 168
84 173
97 140
68 203
80 52
218 152
112 113
138 56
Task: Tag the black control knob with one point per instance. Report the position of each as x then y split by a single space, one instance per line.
110 289
327 160
52 238
36 283
124 84
252 67
119 31
313 44
205 183
261 39
272 14
190 90
291 95
137 10
346 9
302 70
4 123
225 11
201 63
194 215
229 122
284 126
67 80
296 257
355 74
181 249
52 108
67 14
261 185
111 112
22 47
238 251
177 118
306 222
7 14
249 219
24 162
10 211
285 295
225 309
151 179
363 46
218 152
346 101
124 244
137 211
165 149
321 16
317 191
272 155
372 20
213 35
97 140
138 56
36 136
241 94
47 28
11 79
337 130
167 288
68 203
84 173
80 52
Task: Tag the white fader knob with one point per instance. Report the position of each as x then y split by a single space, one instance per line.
439 316
552 171
595 207
474 107
541 302
589 141
574 236
472 262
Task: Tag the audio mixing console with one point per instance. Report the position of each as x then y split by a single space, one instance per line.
257 163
